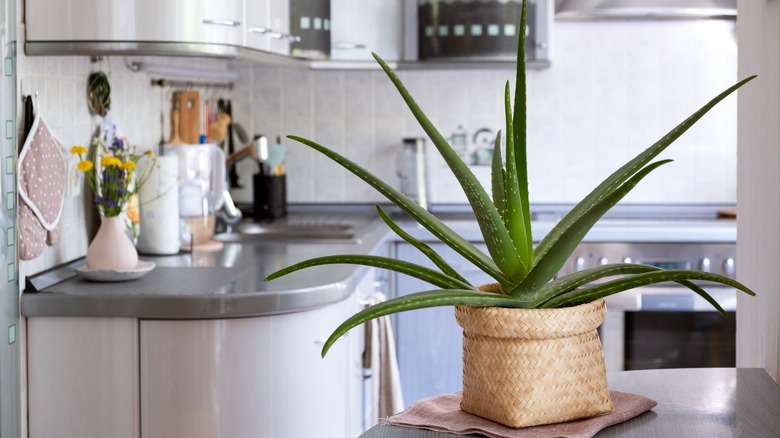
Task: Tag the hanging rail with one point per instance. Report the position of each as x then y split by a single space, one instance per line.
190 84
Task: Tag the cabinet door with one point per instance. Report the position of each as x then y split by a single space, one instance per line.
249 377
267 25
359 27
197 21
430 356
82 377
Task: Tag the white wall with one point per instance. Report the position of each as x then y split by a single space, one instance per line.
758 217
613 89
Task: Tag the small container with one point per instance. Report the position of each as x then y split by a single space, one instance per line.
270 196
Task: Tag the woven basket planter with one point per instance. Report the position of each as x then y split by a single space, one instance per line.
527 367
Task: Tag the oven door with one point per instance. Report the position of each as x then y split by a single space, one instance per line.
669 327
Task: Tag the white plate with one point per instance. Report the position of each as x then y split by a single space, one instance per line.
106 275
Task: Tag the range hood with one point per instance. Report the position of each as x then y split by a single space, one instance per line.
644 9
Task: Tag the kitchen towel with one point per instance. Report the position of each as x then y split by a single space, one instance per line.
159 198
442 414
380 357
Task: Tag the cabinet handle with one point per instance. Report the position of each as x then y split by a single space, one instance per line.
259 29
232 23
350 46
292 38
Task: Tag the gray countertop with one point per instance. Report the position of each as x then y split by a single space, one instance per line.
696 402
229 282
213 284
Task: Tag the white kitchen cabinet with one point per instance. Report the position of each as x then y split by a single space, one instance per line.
250 377
82 377
359 27
267 25
193 21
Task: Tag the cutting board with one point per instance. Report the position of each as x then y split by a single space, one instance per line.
188 104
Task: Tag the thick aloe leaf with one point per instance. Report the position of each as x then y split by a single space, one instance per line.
591 293
497 179
422 247
421 272
516 216
519 132
421 215
423 300
624 173
491 225
547 267
572 281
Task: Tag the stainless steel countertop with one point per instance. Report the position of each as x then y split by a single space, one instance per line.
229 283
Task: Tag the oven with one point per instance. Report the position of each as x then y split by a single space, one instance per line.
666 325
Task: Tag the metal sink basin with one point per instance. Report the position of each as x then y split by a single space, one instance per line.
293 229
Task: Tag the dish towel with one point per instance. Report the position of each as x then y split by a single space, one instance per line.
379 356
442 414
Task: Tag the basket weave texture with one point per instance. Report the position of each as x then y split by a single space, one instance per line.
527 367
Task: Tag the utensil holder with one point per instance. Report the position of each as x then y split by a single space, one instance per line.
270 196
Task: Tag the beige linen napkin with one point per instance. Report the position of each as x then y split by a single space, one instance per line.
442 414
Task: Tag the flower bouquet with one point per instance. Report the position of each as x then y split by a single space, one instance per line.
114 185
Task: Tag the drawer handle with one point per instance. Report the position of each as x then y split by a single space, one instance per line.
231 23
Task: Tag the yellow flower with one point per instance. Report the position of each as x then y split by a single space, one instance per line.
132 209
148 153
110 161
78 150
128 165
84 165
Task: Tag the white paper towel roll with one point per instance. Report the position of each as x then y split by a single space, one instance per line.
159 198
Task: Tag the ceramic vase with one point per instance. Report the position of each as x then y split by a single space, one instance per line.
112 248
528 367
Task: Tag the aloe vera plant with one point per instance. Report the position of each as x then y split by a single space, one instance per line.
526 273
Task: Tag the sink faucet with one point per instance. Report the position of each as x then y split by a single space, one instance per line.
227 215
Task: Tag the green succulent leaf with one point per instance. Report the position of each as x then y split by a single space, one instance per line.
519 132
423 300
569 282
497 238
421 215
574 280
546 268
497 179
614 181
590 293
422 247
421 272
518 221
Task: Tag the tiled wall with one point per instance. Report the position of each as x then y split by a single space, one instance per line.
613 89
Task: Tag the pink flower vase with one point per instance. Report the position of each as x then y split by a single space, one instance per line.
112 248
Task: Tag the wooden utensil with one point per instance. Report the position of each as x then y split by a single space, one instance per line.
175 140
189 116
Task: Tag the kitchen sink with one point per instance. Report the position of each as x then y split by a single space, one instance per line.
295 229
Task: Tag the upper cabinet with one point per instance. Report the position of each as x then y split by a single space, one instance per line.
267 26
260 31
193 21
360 27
